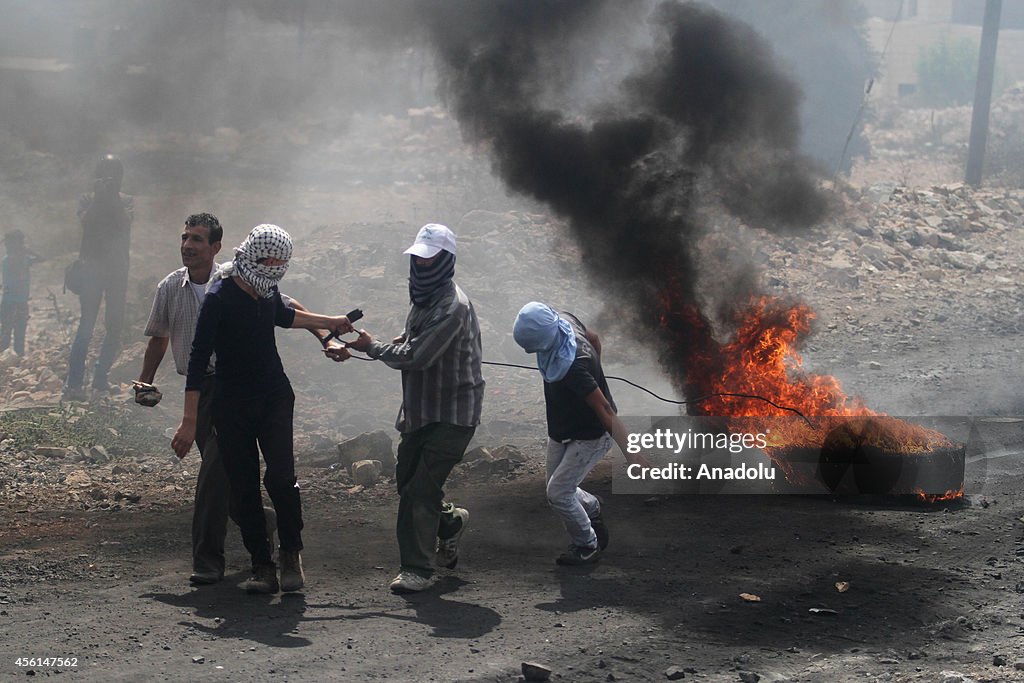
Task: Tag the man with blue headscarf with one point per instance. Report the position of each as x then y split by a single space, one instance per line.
582 421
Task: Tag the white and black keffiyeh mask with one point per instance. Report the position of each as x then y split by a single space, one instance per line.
265 241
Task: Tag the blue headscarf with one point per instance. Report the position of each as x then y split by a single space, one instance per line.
538 329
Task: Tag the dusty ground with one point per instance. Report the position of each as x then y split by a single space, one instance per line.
931 590
94 554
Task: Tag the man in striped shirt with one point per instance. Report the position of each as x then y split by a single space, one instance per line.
439 355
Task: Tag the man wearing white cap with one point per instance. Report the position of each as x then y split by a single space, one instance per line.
442 391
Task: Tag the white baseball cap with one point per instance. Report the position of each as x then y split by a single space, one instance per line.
432 238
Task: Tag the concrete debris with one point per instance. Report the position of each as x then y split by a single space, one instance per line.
477 453
376 445
507 452
532 671
51 451
955 677
366 472
98 454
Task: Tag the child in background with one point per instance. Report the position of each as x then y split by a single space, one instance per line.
16 280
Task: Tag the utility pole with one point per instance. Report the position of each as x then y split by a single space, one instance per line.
983 92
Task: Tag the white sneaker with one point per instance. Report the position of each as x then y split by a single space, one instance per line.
408 582
446 553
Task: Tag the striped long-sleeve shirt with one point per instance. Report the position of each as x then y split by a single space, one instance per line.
440 363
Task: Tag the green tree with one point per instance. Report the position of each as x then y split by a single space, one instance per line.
946 71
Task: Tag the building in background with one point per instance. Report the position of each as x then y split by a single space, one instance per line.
917 24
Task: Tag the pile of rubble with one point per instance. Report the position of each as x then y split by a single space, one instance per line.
947 256
146 474
914 146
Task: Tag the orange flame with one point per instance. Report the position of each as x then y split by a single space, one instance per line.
938 498
762 360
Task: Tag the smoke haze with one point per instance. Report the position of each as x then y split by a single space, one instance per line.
629 120
705 116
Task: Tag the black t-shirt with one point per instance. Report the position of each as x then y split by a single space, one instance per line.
569 416
241 330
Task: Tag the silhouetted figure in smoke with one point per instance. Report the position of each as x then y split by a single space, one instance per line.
14 306
106 218
582 421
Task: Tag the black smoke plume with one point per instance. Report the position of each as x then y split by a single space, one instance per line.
704 116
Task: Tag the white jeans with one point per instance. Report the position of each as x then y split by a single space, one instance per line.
568 465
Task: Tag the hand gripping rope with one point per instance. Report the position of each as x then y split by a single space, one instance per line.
353 315
357 314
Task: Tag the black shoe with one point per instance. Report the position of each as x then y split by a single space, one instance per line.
600 530
205 578
263 580
577 555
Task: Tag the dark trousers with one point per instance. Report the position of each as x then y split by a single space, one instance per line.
213 494
425 459
13 321
210 515
100 282
245 427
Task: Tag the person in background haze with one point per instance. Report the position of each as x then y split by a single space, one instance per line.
17 283
106 217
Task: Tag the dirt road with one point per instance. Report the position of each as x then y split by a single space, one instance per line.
931 590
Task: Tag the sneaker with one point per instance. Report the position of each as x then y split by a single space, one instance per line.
263 580
205 578
446 553
408 582
600 530
579 555
292 578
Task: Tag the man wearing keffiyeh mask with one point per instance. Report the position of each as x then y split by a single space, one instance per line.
582 421
256 259
439 354
253 402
